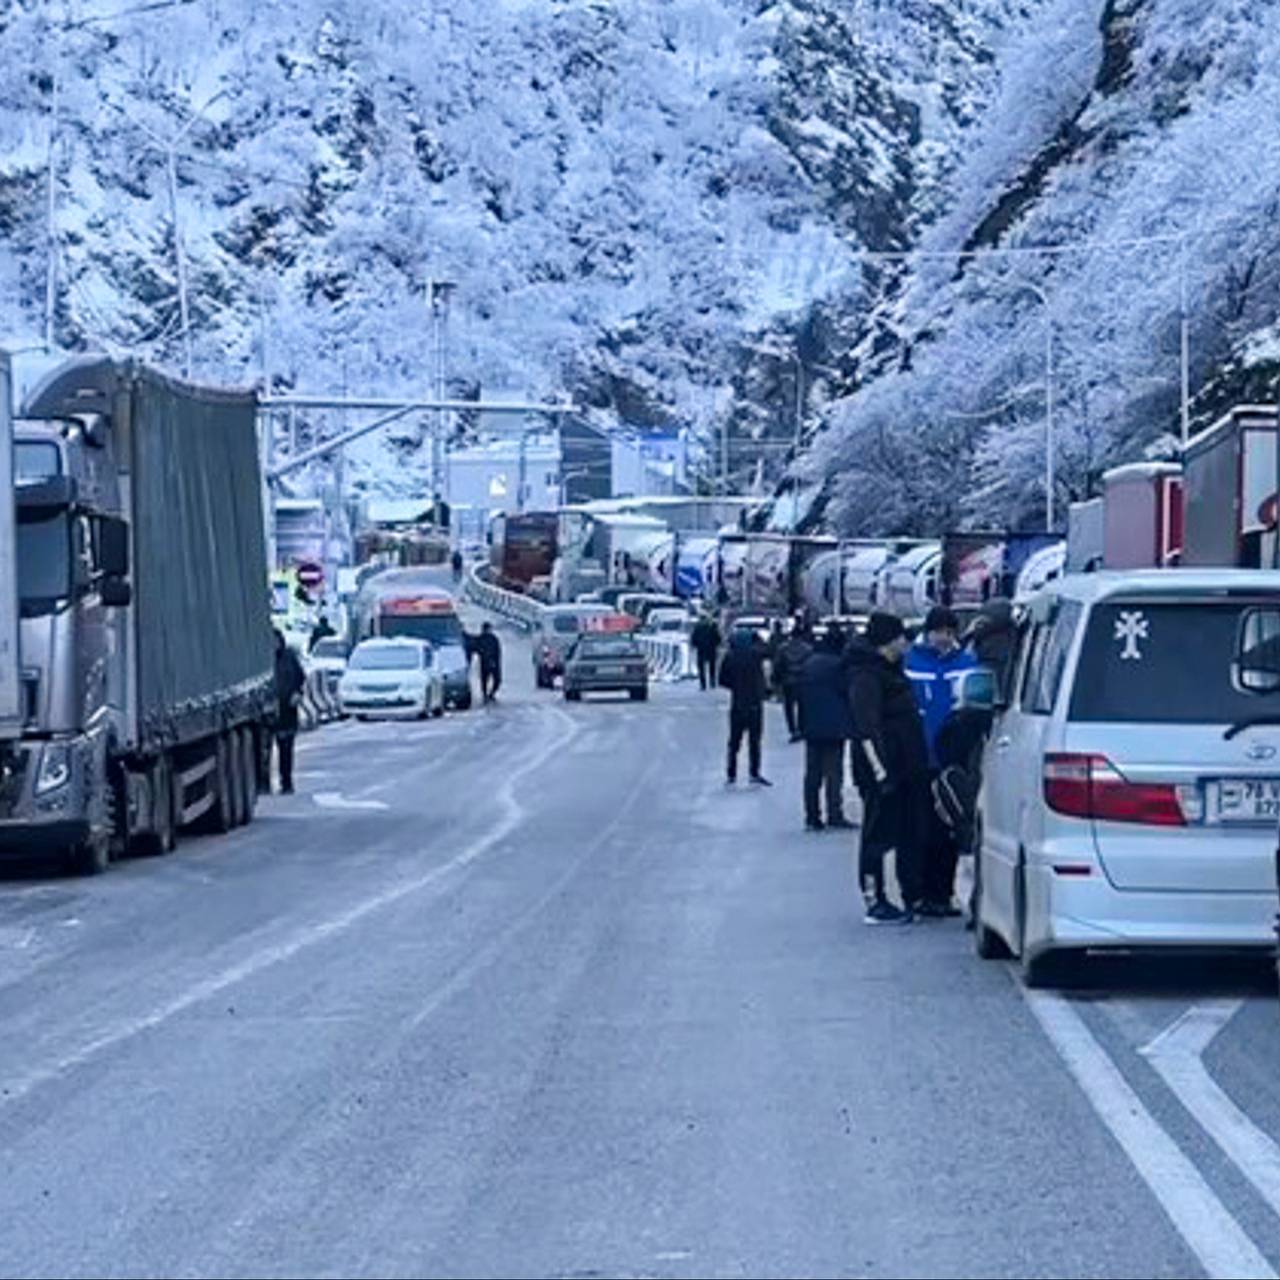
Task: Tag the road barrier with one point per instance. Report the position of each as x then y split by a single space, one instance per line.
319 703
670 657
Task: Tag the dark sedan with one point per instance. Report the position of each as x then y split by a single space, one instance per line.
602 663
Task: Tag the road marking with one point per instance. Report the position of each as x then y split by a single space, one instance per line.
336 800
17 1089
1177 1055
1200 1218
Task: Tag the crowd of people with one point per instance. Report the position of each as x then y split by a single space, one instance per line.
887 700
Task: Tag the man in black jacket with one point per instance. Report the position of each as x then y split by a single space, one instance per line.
742 673
788 666
705 639
826 725
489 650
890 765
289 681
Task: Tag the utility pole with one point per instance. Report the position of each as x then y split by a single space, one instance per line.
439 292
171 167
51 213
1184 340
799 399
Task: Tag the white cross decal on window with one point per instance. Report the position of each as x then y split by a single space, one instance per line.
1131 627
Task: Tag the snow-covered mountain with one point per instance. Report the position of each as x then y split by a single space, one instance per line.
666 208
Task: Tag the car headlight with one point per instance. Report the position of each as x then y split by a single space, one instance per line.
55 767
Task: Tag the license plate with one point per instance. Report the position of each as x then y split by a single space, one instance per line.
611 668
1249 800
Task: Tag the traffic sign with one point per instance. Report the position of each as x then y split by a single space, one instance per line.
310 574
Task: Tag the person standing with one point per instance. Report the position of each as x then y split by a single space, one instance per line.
890 765
933 665
742 673
455 561
826 724
705 639
788 666
321 631
289 681
489 650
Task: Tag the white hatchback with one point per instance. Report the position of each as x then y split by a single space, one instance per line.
392 678
1116 812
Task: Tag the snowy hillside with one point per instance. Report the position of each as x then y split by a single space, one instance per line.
658 206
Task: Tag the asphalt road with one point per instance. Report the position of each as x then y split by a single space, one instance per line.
528 991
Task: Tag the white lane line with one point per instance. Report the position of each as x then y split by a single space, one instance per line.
16 1089
1176 1054
1200 1218
336 800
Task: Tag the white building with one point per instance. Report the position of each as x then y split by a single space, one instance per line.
518 473
649 464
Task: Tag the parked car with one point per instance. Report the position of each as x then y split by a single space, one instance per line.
666 621
1116 811
330 656
560 625
600 663
393 678
639 604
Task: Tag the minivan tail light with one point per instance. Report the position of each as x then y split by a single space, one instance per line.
1090 786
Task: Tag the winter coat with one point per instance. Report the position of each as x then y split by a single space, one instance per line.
789 662
705 637
933 677
742 673
289 681
488 649
824 699
887 729
961 738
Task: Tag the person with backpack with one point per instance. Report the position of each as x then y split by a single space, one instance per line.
933 665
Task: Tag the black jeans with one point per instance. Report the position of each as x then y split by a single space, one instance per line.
706 670
791 708
823 770
748 722
893 819
284 745
490 681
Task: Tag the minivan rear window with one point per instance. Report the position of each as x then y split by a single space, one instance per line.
1160 663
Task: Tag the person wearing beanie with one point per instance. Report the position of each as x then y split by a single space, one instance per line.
742 673
934 664
890 765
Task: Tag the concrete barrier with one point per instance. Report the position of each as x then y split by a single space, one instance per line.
319 703
522 610
670 657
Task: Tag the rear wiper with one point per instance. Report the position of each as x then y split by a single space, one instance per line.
1253 723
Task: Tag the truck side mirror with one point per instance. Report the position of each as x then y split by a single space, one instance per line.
1256 668
113 547
116 593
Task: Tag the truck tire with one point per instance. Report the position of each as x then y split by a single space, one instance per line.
163 836
91 857
222 815
248 772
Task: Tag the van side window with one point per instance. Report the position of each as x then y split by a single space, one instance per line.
1046 680
1033 647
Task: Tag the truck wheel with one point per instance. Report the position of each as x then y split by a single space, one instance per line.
248 773
235 772
639 695
163 836
91 856
222 817
464 701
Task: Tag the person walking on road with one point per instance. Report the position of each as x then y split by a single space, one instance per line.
322 630
455 561
827 724
489 650
705 639
933 665
742 673
890 765
289 681
788 667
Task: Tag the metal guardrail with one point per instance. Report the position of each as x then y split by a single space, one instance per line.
670 658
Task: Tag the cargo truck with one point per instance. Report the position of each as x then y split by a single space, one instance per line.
1142 516
1230 481
141 698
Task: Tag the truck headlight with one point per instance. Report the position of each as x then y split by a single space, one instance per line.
55 767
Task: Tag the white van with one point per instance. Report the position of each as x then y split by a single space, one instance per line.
1115 812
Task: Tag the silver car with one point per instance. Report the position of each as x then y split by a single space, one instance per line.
1114 812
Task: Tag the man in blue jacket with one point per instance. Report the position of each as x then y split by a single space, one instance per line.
934 664
826 724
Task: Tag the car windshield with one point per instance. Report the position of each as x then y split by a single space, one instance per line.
606 647
436 628
387 658
44 561
329 649
1166 663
